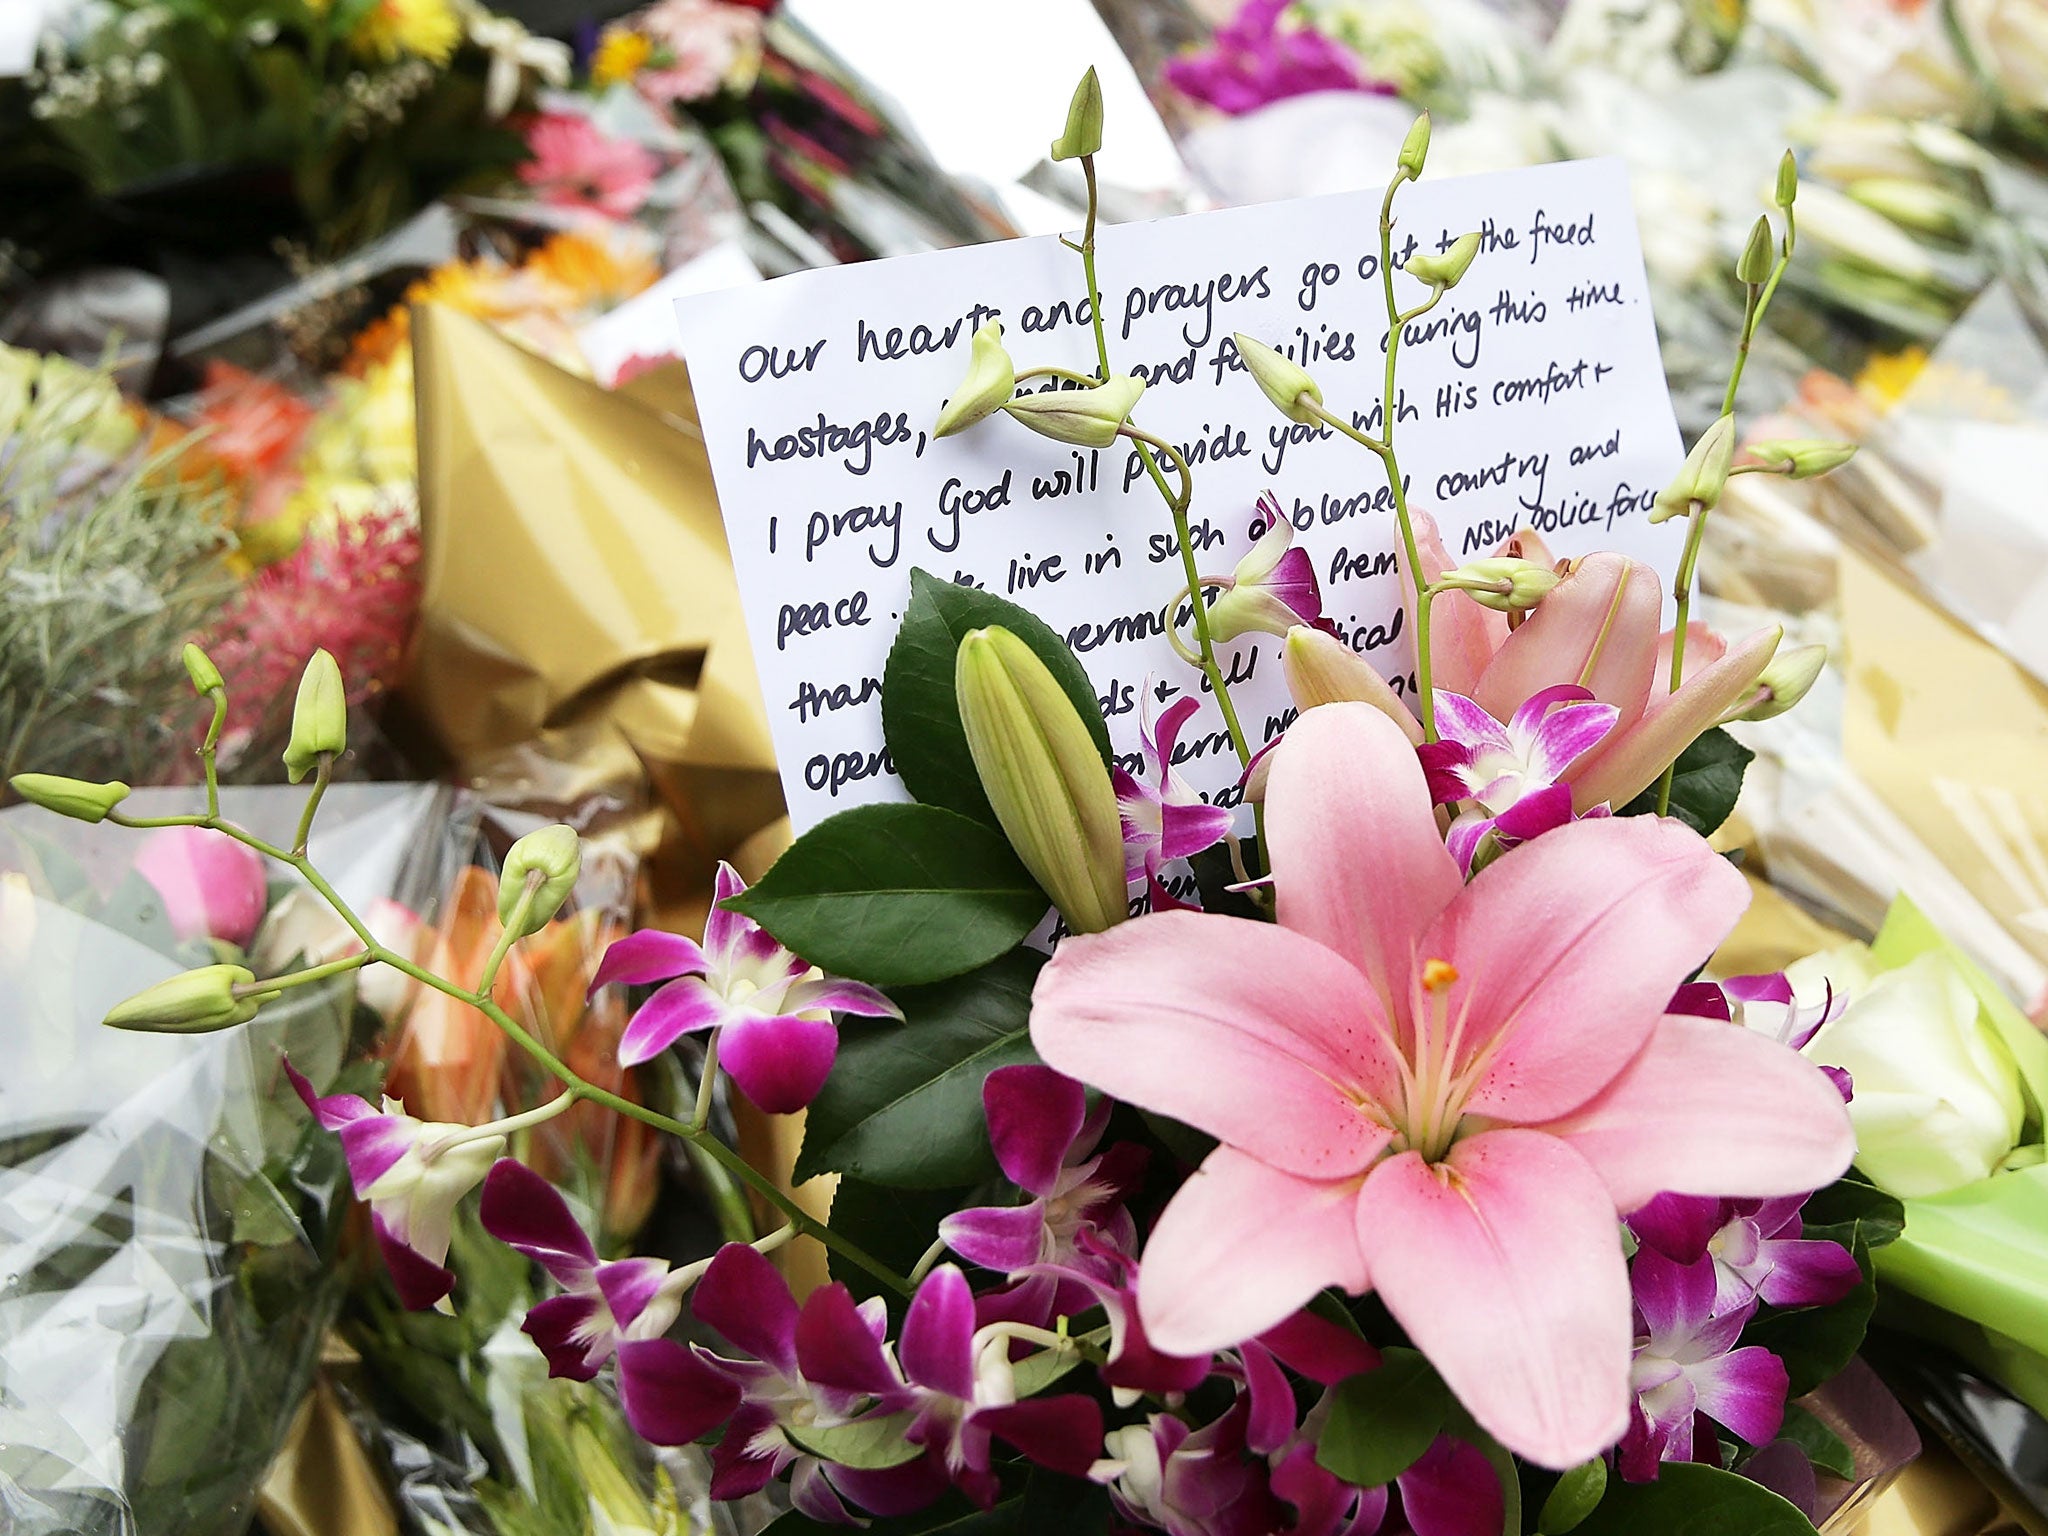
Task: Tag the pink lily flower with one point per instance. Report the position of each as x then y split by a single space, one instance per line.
1756 1247
1164 820
411 1172
1274 586
1514 772
1044 1138
1766 1004
1439 1091
767 1004
602 1305
1686 1364
1597 629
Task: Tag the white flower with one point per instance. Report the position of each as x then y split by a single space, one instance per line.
2010 41
514 51
1937 1097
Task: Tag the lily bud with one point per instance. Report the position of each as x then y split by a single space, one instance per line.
1802 457
1083 135
1787 679
1754 265
553 853
1444 269
1087 418
76 798
1788 180
1321 669
1043 776
991 381
1702 477
1283 380
191 1003
1414 148
1503 583
200 668
319 718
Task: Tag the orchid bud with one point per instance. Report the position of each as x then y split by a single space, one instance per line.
319 718
1283 380
1788 180
555 855
1785 680
76 798
1087 418
1414 148
1938 1102
1083 135
1043 776
190 1003
1702 477
1503 583
1754 265
1802 457
199 667
991 381
1444 269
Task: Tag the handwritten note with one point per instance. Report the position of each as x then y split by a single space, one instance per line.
1532 396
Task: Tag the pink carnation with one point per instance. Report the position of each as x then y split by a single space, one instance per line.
576 164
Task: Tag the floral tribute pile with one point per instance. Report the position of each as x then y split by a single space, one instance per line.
1412 1181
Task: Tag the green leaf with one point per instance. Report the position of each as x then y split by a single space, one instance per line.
896 1226
903 1103
898 895
1849 1209
1824 1448
1816 1342
869 1444
1705 786
1383 1420
1035 1372
1576 1495
921 718
952 1516
1691 1499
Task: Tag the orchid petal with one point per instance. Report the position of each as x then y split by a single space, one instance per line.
671 1397
333 1112
1271 1422
560 1326
1678 1226
1630 760
630 1286
744 1297
1318 1349
1565 735
1034 1115
1807 1272
1062 1434
680 1008
375 1144
1452 1490
1596 628
1701 1000
1266 552
1708 1108
649 955
1465 835
811 1491
1538 811
524 1211
1240 1248
937 1347
1743 1390
1460 721
1504 1265
1185 830
1242 1029
1003 1238
834 1348
855 997
419 1280
1619 909
1676 1299
780 1063
736 1468
1346 796
731 940
1166 734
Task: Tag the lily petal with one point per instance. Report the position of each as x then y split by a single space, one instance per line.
1597 628
1240 1248
1621 909
1463 635
1239 1028
1710 1108
1504 1265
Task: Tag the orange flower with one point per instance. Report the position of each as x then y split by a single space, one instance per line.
594 270
448 1057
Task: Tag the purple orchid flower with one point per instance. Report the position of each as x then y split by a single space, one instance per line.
1756 1247
1165 820
1515 772
1252 62
1687 1365
603 1304
411 1172
959 1383
822 1365
1274 586
1164 1475
767 1004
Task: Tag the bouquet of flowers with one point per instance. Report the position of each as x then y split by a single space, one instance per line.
1392 1169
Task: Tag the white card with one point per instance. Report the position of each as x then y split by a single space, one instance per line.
1533 395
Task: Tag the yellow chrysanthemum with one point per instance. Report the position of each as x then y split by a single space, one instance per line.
621 54
427 29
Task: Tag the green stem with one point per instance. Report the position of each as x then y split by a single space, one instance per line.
511 1125
315 973
1389 411
706 1083
208 751
1051 371
509 934
1088 270
321 775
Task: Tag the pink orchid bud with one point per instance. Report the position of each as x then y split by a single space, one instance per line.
212 886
